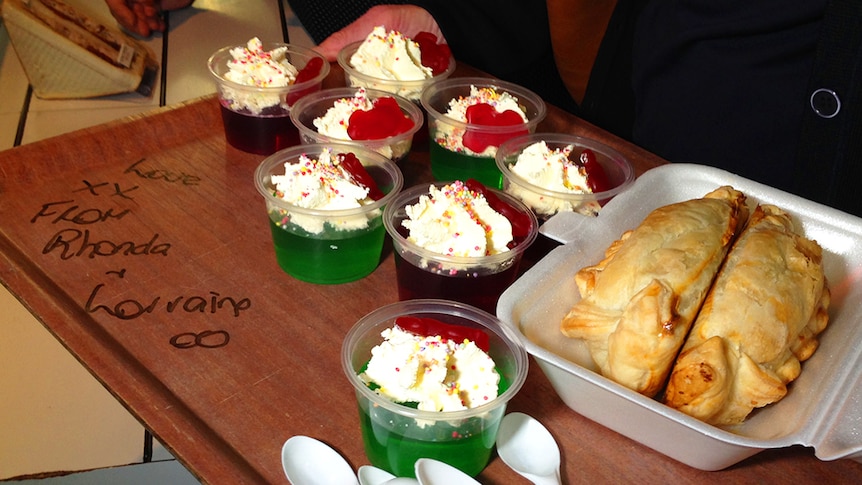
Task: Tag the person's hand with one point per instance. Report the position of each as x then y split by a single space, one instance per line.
143 17
407 19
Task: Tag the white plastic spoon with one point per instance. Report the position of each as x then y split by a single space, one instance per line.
371 475
307 461
435 472
528 448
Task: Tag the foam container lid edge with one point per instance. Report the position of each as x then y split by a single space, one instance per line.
828 392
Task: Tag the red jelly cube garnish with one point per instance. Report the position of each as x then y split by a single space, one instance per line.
597 179
360 176
521 222
486 115
434 56
383 120
310 71
307 73
429 327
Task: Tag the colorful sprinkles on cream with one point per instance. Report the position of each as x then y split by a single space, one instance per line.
253 66
390 55
436 373
321 184
455 221
256 69
451 137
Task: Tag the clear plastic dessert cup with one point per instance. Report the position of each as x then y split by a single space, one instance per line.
396 435
407 89
449 159
617 169
315 105
476 281
327 246
257 119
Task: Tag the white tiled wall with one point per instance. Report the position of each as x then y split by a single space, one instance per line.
54 416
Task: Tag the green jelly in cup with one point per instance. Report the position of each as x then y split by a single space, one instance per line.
449 165
328 246
450 138
396 435
331 258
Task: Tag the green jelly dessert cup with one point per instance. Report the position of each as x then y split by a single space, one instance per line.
450 160
396 435
328 246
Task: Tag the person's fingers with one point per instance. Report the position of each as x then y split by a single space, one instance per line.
126 17
149 15
410 20
174 4
330 46
407 19
156 23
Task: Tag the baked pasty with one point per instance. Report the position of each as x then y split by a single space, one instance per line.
759 321
638 303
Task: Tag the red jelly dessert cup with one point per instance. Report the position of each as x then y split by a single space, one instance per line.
257 119
476 281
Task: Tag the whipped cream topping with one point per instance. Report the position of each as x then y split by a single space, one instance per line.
335 121
321 184
500 100
390 55
436 373
553 170
253 66
451 137
455 221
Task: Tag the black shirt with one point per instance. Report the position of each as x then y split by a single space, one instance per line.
724 83
508 39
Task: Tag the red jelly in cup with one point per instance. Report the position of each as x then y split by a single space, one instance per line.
257 118
475 280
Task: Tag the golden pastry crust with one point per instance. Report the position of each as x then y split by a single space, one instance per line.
638 303
759 321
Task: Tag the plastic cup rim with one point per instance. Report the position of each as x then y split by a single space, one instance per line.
516 90
324 71
335 94
295 151
407 307
412 194
517 144
346 52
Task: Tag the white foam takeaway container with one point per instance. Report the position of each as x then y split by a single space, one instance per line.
823 408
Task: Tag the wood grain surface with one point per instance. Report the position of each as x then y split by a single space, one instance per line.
143 246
